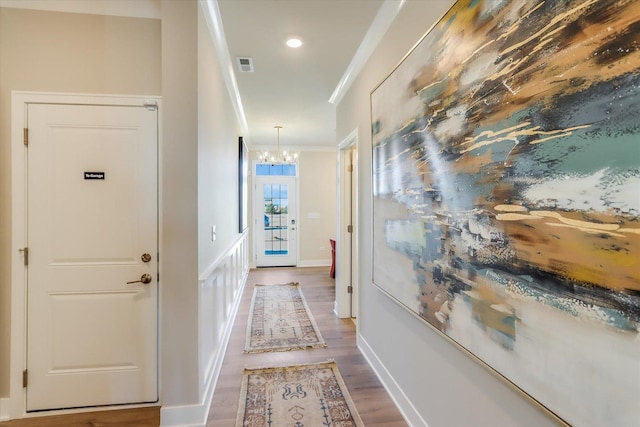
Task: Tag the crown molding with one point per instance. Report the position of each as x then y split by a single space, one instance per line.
381 23
214 23
128 8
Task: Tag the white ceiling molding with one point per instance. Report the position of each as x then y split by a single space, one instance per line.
383 20
214 22
130 8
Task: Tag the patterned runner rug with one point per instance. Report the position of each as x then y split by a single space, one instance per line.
305 395
279 320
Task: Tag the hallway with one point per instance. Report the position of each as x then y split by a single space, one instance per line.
371 399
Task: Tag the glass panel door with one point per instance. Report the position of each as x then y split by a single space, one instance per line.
276 221
276 230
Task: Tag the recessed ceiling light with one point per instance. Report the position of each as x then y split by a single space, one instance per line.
294 43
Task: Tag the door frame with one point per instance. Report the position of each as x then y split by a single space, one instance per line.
18 350
346 305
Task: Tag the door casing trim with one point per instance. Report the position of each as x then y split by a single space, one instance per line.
18 339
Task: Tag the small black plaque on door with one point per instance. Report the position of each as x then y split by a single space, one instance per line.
94 175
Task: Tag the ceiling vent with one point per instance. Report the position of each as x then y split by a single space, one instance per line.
245 65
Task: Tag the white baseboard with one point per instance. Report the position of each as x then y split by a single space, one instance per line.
196 415
4 409
406 408
184 416
314 263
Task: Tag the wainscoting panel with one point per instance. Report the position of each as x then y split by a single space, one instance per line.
220 288
218 305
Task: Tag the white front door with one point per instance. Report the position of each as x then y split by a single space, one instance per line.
276 221
92 227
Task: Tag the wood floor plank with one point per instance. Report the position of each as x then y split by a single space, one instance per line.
371 399
135 417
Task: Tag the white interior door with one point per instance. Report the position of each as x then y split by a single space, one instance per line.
276 221
92 227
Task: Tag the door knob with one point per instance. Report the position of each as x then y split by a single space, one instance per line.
145 278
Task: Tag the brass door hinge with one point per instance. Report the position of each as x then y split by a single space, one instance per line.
350 289
25 136
25 252
25 378
349 228
349 168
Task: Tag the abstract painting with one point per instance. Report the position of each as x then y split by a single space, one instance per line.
506 196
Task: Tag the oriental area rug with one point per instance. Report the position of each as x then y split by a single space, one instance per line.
279 320
304 395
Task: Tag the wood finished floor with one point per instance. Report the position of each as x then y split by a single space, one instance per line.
372 401
135 417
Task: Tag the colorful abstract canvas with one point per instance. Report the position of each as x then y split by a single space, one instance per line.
506 195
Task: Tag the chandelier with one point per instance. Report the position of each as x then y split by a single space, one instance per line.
279 156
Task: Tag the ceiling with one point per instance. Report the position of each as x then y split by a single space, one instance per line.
291 87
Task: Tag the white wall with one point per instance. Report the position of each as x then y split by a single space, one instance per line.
201 279
218 132
63 52
317 215
434 382
179 207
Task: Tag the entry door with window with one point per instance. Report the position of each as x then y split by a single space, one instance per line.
275 213
92 256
